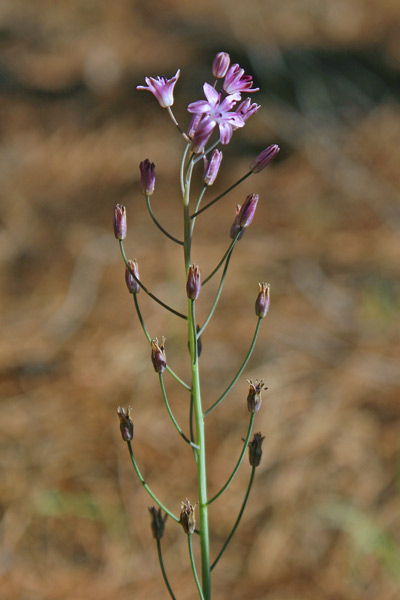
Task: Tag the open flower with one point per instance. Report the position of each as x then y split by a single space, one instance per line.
217 112
162 88
236 81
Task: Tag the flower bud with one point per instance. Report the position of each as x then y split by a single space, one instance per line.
235 229
148 177
158 356
211 167
221 65
125 424
157 522
264 158
193 283
131 283
255 451
194 121
254 395
120 222
188 520
247 210
201 135
262 302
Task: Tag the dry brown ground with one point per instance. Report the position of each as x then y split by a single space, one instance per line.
323 518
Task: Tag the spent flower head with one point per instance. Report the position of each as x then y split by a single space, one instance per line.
193 283
147 176
255 451
158 355
188 519
162 88
131 283
263 299
120 222
254 395
157 522
125 423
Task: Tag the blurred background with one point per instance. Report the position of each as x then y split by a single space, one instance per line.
323 517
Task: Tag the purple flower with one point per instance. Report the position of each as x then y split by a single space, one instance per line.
237 81
193 283
246 109
120 222
162 88
147 176
221 64
264 158
211 167
217 112
263 300
201 135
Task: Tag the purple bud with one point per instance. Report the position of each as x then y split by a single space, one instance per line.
201 135
262 302
211 167
254 395
157 522
193 283
125 424
255 451
120 222
188 520
247 210
264 158
131 283
221 65
148 177
194 121
235 229
158 356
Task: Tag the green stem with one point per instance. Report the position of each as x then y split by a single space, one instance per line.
160 227
177 313
171 114
237 520
246 442
179 430
221 283
196 214
163 570
227 253
146 333
146 487
238 374
194 567
197 206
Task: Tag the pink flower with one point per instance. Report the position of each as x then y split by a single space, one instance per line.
218 113
236 81
162 88
246 109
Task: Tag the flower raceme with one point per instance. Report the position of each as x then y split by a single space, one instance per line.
162 88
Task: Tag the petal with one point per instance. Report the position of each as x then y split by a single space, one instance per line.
211 94
199 107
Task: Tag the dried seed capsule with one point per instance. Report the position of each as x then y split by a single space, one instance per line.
125 424
147 176
131 283
120 222
263 300
157 522
193 283
158 356
255 451
188 520
254 395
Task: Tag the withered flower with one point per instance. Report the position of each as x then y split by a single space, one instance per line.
158 356
255 451
157 522
188 520
254 395
125 423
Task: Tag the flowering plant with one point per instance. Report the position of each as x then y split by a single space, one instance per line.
219 112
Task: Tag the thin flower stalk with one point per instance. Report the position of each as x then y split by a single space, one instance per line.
146 333
160 559
217 296
239 462
183 134
196 214
179 430
160 302
200 198
230 536
192 563
238 374
146 487
227 253
158 224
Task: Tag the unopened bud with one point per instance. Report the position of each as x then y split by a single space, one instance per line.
236 229
211 167
148 177
194 121
193 283
263 300
125 424
158 356
254 395
157 522
188 520
131 283
221 65
201 135
120 222
264 158
255 451
247 210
